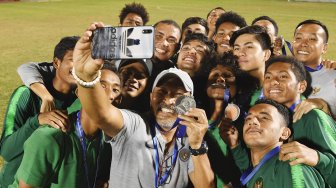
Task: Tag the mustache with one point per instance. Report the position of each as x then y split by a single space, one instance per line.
163 105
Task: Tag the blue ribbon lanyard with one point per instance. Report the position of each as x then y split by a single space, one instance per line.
249 173
261 96
80 134
319 67
292 107
160 180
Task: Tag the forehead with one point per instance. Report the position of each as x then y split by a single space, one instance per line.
221 68
110 76
264 23
280 66
136 65
246 38
68 54
133 16
195 43
264 109
196 26
216 11
168 29
310 29
228 26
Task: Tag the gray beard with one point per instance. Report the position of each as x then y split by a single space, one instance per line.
166 124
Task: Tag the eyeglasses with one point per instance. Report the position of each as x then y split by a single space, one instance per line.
199 49
161 37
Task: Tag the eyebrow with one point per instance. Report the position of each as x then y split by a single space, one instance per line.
247 43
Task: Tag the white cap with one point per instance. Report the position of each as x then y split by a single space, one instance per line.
183 76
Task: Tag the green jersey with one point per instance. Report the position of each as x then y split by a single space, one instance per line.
58 160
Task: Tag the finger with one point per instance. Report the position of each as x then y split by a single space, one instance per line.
53 124
199 114
297 161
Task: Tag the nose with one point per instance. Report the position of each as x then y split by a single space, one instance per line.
169 100
111 96
220 79
253 122
192 50
274 81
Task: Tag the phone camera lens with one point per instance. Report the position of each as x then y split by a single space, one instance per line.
146 31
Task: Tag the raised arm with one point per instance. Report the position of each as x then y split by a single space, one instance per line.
33 75
93 98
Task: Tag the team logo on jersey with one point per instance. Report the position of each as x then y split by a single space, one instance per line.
258 183
184 154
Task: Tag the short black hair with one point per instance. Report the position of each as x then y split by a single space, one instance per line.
108 65
283 110
227 59
231 17
275 25
64 45
324 27
135 8
168 22
210 45
219 8
296 66
259 32
195 20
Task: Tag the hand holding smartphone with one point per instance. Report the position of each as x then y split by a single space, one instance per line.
123 43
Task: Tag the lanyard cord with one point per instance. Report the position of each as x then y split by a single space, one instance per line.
249 173
319 67
80 134
160 180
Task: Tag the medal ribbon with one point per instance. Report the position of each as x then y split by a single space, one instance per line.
249 173
292 107
81 136
313 70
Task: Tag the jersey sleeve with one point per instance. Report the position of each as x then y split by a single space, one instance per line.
35 72
47 155
20 122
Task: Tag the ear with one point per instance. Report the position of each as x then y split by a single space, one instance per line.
267 55
76 92
286 132
302 86
325 48
150 99
56 63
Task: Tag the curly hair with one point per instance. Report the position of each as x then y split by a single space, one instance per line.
231 17
135 8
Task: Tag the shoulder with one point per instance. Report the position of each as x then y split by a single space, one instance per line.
46 136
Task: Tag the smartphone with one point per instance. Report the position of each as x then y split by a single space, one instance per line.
123 43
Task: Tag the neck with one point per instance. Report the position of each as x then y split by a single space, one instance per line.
218 108
313 64
290 103
258 153
168 136
89 128
259 74
60 86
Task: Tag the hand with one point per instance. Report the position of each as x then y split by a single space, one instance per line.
329 64
298 154
47 104
196 122
306 106
86 68
56 119
229 133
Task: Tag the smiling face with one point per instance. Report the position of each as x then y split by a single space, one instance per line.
309 44
134 77
193 28
64 69
219 78
191 56
281 85
263 127
163 99
223 35
166 41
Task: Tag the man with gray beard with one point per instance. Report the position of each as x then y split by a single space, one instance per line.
146 151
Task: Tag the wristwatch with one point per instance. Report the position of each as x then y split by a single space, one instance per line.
200 151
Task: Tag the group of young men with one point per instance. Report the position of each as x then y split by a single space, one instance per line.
124 131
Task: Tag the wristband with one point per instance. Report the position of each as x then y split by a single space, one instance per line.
200 151
83 83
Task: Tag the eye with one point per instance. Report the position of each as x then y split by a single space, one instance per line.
236 49
115 90
267 77
103 85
